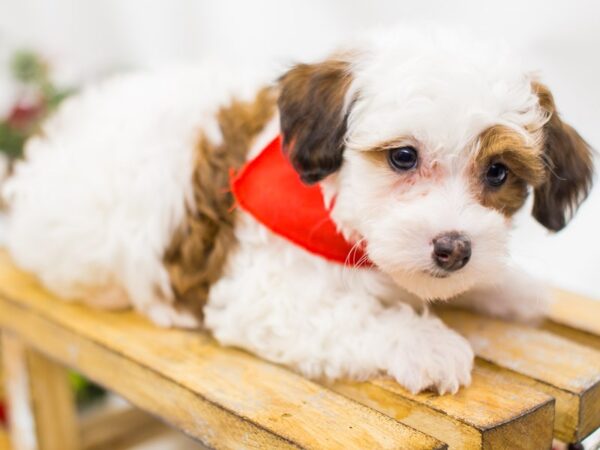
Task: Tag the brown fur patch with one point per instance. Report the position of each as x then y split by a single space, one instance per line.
500 144
313 120
570 169
198 250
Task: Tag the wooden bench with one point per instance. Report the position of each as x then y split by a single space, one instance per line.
529 384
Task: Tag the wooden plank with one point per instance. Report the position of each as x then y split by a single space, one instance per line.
575 317
224 397
41 402
494 412
568 371
4 440
119 429
16 383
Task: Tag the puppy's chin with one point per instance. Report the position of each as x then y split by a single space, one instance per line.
433 285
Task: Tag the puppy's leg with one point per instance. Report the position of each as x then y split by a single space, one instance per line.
339 335
327 321
515 296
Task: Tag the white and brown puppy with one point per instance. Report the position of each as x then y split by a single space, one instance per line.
424 144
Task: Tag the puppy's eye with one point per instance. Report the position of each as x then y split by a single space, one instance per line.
496 175
403 158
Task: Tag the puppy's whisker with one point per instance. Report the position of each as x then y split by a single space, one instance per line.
348 262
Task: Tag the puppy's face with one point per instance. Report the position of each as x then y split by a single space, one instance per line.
426 149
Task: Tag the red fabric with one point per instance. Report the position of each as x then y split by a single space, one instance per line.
3 418
271 191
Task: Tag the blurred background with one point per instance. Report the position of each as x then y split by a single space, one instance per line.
81 41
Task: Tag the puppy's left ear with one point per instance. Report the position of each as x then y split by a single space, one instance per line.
569 168
313 114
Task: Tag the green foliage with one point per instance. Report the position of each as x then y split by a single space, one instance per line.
86 392
11 140
27 67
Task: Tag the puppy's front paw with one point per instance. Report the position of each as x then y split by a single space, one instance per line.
439 359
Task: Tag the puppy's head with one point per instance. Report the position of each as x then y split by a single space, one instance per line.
429 144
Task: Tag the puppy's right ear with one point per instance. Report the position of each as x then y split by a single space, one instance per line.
313 114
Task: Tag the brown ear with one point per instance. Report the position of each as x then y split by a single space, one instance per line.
569 165
313 117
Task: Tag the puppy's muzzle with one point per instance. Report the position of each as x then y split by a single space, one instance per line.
451 251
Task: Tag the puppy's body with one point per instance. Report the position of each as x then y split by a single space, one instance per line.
124 199
108 187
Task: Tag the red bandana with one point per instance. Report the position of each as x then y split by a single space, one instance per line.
271 191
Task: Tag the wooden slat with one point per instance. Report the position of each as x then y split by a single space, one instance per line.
568 371
494 412
119 430
575 317
4 440
14 367
41 403
224 397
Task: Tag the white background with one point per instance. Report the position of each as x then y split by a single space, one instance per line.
85 39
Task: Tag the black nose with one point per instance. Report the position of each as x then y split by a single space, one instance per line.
451 251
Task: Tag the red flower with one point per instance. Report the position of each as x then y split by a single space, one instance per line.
23 116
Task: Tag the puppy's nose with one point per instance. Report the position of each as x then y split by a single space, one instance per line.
451 251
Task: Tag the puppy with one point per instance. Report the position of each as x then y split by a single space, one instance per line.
306 220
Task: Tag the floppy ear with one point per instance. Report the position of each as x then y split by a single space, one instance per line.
313 117
569 168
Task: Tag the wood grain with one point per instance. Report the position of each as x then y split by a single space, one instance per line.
568 371
223 397
119 430
4 440
494 412
18 397
41 402
575 317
